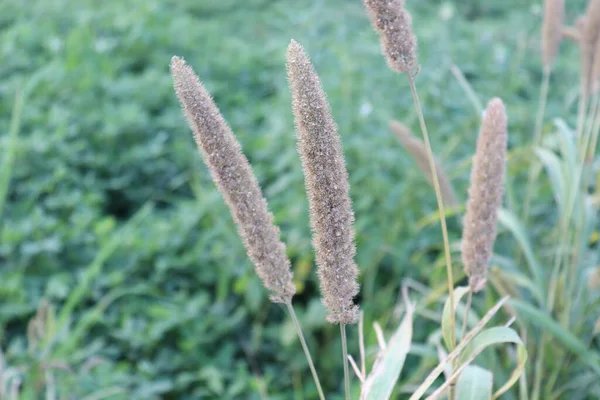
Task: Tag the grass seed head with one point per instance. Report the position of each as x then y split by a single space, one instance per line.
326 180
393 23
233 175
485 195
554 12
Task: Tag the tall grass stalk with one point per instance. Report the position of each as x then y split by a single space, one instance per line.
438 195
345 361
311 365
537 137
587 135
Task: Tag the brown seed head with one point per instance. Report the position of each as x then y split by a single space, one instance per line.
586 54
485 195
590 28
554 12
416 148
233 175
393 23
326 181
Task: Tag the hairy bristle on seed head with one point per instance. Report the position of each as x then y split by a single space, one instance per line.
233 176
393 23
485 195
326 180
416 148
554 11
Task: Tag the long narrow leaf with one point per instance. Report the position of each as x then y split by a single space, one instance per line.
457 351
388 365
459 292
474 383
487 338
510 222
566 338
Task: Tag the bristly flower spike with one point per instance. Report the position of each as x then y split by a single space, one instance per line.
233 175
393 23
485 195
326 181
554 12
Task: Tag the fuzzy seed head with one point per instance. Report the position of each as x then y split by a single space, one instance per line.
485 195
586 54
233 176
590 48
554 12
326 181
416 148
393 24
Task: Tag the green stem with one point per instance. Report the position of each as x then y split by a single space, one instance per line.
313 371
438 195
537 138
594 141
539 364
467 311
592 122
345 361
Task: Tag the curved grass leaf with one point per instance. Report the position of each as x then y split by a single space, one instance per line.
459 292
510 221
388 365
431 378
487 338
475 383
553 167
566 338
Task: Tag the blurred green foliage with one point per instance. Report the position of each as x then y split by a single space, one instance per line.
172 307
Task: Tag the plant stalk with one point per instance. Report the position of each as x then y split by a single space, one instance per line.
313 371
345 360
438 195
537 138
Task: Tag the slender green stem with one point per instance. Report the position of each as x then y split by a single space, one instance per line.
345 360
592 120
438 195
467 311
313 371
594 140
581 113
539 364
537 138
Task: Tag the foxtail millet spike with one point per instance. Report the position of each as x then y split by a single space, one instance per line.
554 12
326 181
589 44
485 195
233 176
586 55
393 23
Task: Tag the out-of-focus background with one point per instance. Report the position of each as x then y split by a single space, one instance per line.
112 231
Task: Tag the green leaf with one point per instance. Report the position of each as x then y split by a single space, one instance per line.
566 338
475 383
510 221
431 378
485 339
459 292
553 167
493 336
388 365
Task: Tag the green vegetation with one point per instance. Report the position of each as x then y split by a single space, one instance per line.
115 241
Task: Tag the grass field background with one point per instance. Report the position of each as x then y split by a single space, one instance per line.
111 218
